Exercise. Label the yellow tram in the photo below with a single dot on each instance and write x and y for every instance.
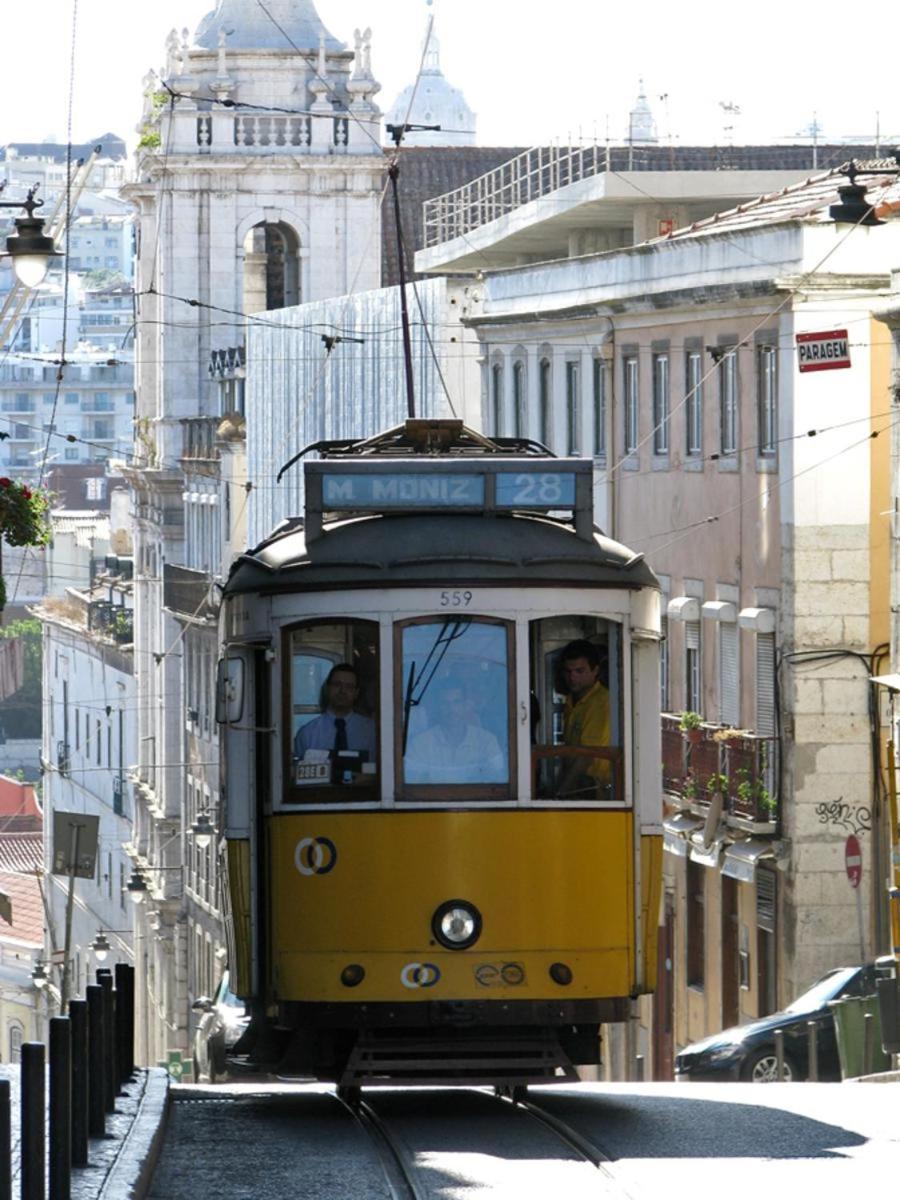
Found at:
(430, 878)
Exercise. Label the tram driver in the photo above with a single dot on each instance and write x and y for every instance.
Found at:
(585, 720)
(454, 748)
(340, 729)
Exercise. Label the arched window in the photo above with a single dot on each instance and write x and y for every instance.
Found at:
(520, 415)
(271, 268)
(496, 399)
(16, 1037)
(544, 401)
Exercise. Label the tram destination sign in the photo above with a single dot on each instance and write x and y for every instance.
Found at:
(829, 351)
(357, 492)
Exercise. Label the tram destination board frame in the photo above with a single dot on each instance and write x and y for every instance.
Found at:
(499, 485)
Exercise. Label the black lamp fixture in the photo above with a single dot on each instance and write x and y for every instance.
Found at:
(136, 887)
(100, 946)
(39, 975)
(202, 831)
(853, 208)
(29, 248)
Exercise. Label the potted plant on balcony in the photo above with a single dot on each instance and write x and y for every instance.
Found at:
(690, 727)
(23, 518)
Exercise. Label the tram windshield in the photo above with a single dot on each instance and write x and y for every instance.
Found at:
(454, 687)
(333, 711)
(576, 705)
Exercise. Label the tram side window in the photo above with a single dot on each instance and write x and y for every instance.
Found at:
(576, 709)
(453, 690)
(332, 711)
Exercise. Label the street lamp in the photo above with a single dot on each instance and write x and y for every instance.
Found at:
(29, 248)
(39, 975)
(100, 946)
(136, 887)
(202, 831)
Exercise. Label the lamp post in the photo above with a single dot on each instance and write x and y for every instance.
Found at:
(29, 248)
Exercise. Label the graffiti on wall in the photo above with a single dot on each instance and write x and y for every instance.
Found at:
(851, 818)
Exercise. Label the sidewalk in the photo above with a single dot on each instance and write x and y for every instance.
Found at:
(120, 1164)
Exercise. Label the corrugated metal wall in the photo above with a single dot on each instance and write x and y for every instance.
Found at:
(297, 393)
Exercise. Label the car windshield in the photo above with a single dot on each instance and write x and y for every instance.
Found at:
(825, 989)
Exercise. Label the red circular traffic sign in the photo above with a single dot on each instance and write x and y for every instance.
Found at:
(853, 860)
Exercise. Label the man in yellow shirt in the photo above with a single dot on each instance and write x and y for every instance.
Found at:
(585, 721)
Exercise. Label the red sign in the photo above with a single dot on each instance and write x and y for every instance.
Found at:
(853, 860)
(823, 351)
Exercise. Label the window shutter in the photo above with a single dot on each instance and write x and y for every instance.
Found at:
(692, 635)
(729, 697)
(664, 663)
(765, 899)
(765, 683)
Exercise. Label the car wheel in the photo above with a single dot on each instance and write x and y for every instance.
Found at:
(762, 1067)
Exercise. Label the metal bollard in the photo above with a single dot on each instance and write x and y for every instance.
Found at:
(639, 1068)
(124, 976)
(868, 1042)
(78, 1018)
(5, 1140)
(96, 1074)
(104, 978)
(60, 1128)
(779, 1055)
(812, 1051)
(33, 1141)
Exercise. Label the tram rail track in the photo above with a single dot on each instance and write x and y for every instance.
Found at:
(399, 1173)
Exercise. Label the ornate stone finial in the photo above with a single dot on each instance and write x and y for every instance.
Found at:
(323, 67)
(357, 55)
(367, 53)
(172, 53)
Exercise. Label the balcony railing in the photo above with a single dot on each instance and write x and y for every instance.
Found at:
(536, 173)
(742, 765)
(200, 438)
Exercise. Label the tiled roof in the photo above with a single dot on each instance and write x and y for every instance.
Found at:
(809, 200)
(113, 147)
(21, 857)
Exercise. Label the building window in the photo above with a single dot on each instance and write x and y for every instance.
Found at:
(728, 414)
(692, 672)
(660, 404)
(496, 399)
(766, 942)
(693, 407)
(571, 408)
(631, 405)
(664, 663)
(729, 695)
(765, 684)
(767, 400)
(544, 401)
(520, 416)
(599, 408)
(696, 925)
(16, 1037)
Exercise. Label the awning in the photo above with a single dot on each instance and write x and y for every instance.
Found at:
(888, 681)
(741, 858)
(706, 856)
(677, 830)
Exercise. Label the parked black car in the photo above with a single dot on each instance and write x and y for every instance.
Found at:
(222, 1021)
(747, 1052)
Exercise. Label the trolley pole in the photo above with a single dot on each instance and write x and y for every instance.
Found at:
(396, 132)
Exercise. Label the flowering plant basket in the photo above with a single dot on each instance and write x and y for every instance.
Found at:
(24, 518)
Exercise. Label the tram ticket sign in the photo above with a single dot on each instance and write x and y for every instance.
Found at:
(853, 860)
(829, 351)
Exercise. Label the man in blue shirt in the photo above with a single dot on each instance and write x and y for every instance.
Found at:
(339, 727)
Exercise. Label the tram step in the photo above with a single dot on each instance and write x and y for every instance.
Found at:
(465, 1061)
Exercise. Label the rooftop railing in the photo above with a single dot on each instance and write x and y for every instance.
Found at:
(529, 176)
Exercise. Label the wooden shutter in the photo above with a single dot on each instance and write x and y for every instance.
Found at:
(765, 683)
(729, 696)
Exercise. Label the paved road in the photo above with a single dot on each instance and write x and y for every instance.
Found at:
(821, 1141)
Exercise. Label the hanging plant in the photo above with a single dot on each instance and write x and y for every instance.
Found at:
(24, 518)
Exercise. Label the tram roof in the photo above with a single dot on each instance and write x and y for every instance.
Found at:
(439, 549)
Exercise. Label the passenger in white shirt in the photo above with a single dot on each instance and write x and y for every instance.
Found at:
(339, 727)
(454, 749)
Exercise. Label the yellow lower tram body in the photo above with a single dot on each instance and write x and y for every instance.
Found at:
(361, 987)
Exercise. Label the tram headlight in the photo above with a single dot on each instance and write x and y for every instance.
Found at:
(457, 924)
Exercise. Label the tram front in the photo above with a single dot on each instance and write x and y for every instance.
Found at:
(439, 699)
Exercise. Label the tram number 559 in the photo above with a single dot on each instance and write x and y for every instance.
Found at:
(456, 599)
